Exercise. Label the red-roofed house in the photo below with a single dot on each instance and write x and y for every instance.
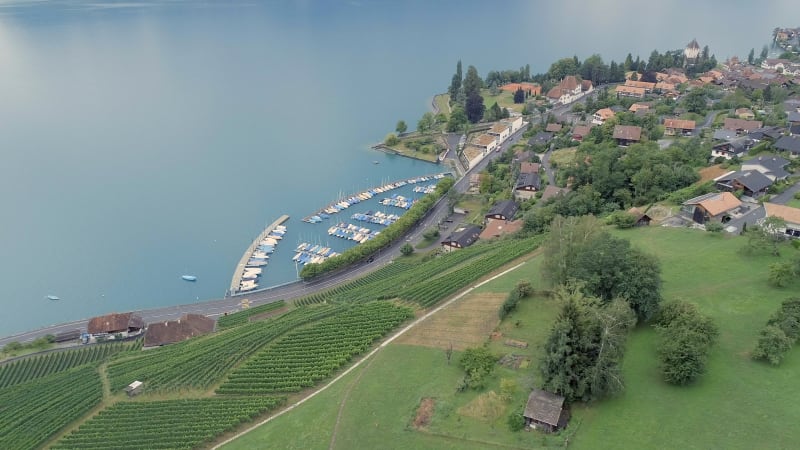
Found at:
(674, 127)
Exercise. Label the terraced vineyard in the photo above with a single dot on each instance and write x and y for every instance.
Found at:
(32, 412)
(241, 317)
(303, 357)
(199, 363)
(33, 367)
(173, 424)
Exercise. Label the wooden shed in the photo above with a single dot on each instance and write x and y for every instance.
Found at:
(545, 411)
(134, 388)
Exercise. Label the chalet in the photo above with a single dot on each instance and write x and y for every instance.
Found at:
(638, 106)
(514, 123)
(461, 238)
(773, 167)
(642, 219)
(545, 411)
(580, 132)
(553, 127)
(741, 126)
(724, 135)
(529, 167)
(745, 113)
(713, 207)
(663, 86)
(500, 131)
(486, 142)
(541, 138)
(567, 91)
(503, 210)
(170, 332)
(790, 144)
(134, 388)
(673, 127)
(586, 87)
(627, 134)
(497, 228)
(601, 115)
(751, 182)
(629, 91)
(771, 134)
(790, 216)
(531, 89)
(116, 324)
(553, 191)
(528, 184)
(736, 148)
(645, 85)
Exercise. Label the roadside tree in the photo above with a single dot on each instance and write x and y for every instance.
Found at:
(401, 127)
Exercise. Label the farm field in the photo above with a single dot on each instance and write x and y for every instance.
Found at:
(699, 267)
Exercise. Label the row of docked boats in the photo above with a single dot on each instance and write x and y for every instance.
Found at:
(425, 189)
(345, 203)
(259, 258)
(310, 253)
(398, 201)
(352, 232)
(376, 217)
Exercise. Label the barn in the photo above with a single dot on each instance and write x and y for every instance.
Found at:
(169, 332)
(116, 324)
(545, 411)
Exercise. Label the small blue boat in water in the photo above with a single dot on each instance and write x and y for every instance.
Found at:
(189, 278)
(53, 297)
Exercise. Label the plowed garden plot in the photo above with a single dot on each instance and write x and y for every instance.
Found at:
(466, 323)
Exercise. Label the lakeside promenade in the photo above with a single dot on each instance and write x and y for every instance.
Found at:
(218, 307)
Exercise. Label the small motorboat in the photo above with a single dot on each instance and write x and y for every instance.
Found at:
(376, 162)
(53, 297)
(189, 278)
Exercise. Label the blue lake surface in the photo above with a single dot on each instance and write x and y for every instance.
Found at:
(143, 141)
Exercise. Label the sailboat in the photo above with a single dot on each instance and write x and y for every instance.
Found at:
(189, 278)
(53, 297)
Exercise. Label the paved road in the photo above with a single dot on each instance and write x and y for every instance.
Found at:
(218, 307)
(786, 195)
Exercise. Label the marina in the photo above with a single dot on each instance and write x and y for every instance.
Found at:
(344, 203)
(398, 201)
(376, 217)
(352, 232)
(310, 253)
(250, 267)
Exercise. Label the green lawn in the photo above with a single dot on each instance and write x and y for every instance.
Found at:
(738, 403)
(504, 99)
(443, 103)
(794, 203)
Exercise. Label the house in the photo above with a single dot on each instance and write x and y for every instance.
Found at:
(486, 142)
(775, 63)
(169, 332)
(500, 131)
(663, 86)
(627, 134)
(751, 182)
(497, 228)
(741, 126)
(461, 238)
(580, 132)
(745, 113)
(529, 167)
(645, 85)
(514, 123)
(724, 135)
(771, 134)
(503, 210)
(545, 411)
(736, 148)
(713, 207)
(567, 91)
(642, 219)
(134, 388)
(541, 138)
(773, 167)
(638, 106)
(553, 191)
(553, 127)
(586, 87)
(531, 89)
(629, 91)
(679, 127)
(527, 185)
(124, 324)
(794, 130)
(791, 217)
(793, 117)
(790, 144)
(601, 115)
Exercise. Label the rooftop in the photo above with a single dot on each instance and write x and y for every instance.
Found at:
(544, 407)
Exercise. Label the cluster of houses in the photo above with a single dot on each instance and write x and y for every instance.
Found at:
(484, 143)
(121, 326)
(738, 135)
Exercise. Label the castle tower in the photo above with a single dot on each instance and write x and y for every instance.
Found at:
(691, 52)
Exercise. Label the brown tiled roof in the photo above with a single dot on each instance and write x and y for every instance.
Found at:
(544, 407)
(720, 203)
(629, 90)
(112, 323)
(680, 124)
(188, 326)
(534, 89)
(581, 130)
(529, 167)
(664, 86)
(605, 113)
(740, 124)
(787, 213)
(637, 106)
(552, 191)
(554, 127)
(484, 140)
(586, 85)
(496, 228)
(640, 84)
(627, 132)
(498, 128)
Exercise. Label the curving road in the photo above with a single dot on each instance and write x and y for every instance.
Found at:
(218, 307)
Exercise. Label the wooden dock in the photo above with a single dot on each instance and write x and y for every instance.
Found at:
(237, 274)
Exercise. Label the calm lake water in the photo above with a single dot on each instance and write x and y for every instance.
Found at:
(143, 141)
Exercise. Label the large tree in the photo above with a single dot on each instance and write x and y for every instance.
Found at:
(475, 107)
(455, 83)
(472, 82)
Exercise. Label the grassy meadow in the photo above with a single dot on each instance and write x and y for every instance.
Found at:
(738, 403)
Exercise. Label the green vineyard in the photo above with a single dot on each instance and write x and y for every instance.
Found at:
(304, 357)
(34, 367)
(171, 424)
(241, 317)
(33, 412)
(199, 363)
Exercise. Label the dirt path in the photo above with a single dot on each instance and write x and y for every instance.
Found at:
(353, 384)
(388, 341)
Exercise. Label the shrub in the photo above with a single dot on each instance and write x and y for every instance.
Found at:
(516, 421)
(714, 227)
(478, 363)
(772, 345)
(685, 338)
(406, 249)
(391, 139)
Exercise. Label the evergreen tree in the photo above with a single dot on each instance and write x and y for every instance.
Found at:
(472, 82)
(751, 57)
(455, 84)
(519, 96)
(475, 107)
